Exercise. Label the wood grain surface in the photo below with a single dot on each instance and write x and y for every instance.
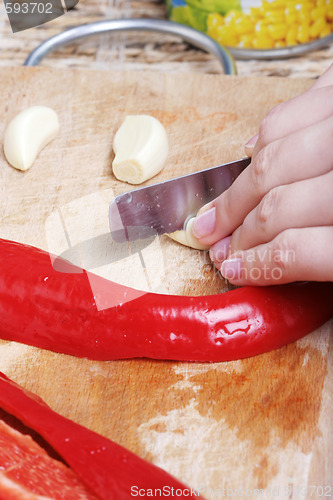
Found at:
(260, 423)
(139, 52)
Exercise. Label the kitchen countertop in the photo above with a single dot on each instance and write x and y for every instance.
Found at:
(139, 51)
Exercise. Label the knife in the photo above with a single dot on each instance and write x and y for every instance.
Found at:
(164, 207)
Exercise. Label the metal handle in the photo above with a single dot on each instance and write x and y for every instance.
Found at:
(190, 35)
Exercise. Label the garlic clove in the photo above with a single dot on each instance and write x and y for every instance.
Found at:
(186, 237)
(28, 133)
(141, 148)
(179, 236)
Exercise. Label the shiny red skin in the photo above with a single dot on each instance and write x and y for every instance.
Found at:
(109, 470)
(55, 310)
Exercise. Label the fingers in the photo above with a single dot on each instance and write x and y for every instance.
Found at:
(302, 155)
(282, 204)
(301, 204)
(294, 255)
(303, 111)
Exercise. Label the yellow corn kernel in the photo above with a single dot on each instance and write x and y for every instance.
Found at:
(329, 13)
(261, 28)
(320, 3)
(232, 42)
(232, 16)
(275, 16)
(246, 41)
(291, 13)
(279, 44)
(317, 27)
(291, 8)
(292, 33)
(277, 31)
(224, 31)
(264, 6)
(244, 25)
(306, 5)
(304, 16)
(213, 20)
(226, 36)
(318, 13)
(255, 13)
(291, 18)
(264, 21)
(327, 30)
(263, 42)
(303, 33)
(277, 4)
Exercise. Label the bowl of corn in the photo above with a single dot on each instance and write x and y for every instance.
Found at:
(259, 28)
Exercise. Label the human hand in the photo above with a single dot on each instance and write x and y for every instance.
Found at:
(275, 223)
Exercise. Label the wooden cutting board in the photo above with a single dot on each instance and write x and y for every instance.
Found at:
(260, 423)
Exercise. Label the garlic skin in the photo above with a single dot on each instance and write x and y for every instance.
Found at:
(28, 133)
(185, 237)
(141, 148)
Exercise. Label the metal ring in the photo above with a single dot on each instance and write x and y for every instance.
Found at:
(190, 35)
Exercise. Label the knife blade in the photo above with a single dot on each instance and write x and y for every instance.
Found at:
(164, 207)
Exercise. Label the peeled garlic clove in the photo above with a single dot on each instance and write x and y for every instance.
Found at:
(186, 237)
(28, 133)
(141, 148)
(179, 236)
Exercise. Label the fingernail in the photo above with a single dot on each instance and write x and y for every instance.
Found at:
(231, 268)
(203, 209)
(219, 251)
(249, 146)
(204, 224)
(251, 143)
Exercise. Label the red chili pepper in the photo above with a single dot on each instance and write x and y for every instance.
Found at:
(58, 311)
(109, 470)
